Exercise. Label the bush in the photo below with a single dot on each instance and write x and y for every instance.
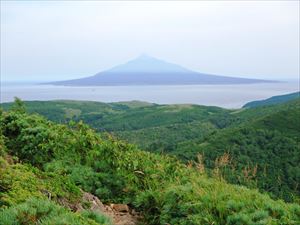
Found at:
(96, 217)
(45, 212)
(19, 182)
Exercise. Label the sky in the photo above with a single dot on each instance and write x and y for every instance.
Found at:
(73, 39)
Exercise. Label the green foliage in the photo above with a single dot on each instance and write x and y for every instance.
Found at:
(100, 219)
(165, 138)
(19, 105)
(192, 204)
(268, 145)
(2, 146)
(96, 179)
(19, 182)
(44, 212)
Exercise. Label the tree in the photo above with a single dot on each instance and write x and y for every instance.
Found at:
(18, 106)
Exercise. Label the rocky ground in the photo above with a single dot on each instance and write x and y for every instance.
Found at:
(120, 214)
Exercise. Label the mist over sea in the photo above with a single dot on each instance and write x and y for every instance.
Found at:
(227, 96)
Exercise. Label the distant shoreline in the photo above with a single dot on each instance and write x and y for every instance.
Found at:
(226, 96)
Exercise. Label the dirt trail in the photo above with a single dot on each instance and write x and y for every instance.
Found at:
(119, 213)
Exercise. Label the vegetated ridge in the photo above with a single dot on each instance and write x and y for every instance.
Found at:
(273, 100)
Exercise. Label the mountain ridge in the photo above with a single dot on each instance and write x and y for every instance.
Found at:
(274, 100)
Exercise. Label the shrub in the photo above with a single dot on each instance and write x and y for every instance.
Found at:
(45, 212)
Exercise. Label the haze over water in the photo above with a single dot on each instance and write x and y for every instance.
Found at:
(228, 96)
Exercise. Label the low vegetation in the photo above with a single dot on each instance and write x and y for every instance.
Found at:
(45, 212)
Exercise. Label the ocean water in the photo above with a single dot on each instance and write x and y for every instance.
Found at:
(227, 96)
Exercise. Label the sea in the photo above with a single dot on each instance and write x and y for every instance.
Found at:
(226, 96)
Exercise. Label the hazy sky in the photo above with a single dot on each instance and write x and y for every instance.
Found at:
(71, 39)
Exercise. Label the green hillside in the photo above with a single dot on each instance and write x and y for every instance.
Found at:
(124, 115)
(60, 159)
(262, 139)
(273, 100)
(268, 147)
(137, 119)
(267, 144)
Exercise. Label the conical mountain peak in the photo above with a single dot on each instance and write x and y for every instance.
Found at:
(148, 64)
(144, 56)
(148, 70)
